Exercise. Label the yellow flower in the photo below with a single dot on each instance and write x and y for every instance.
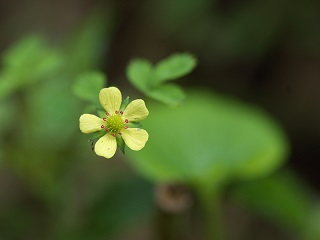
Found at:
(115, 123)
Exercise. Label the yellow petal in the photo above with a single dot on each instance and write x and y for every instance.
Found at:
(106, 146)
(110, 99)
(135, 138)
(90, 123)
(136, 111)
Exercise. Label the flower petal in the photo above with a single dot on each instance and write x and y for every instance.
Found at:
(135, 138)
(89, 123)
(106, 146)
(136, 111)
(110, 99)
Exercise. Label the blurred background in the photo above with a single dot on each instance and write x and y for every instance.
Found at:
(52, 186)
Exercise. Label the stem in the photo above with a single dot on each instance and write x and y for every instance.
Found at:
(212, 211)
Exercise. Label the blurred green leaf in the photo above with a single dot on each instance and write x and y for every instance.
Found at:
(173, 67)
(7, 111)
(149, 80)
(88, 85)
(312, 229)
(170, 94)
(209, 139)
(282, 198)
(26, 62)
(53, 114)
(140, 72)
(23, 52)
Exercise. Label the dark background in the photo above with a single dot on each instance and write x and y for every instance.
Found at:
(263, 52)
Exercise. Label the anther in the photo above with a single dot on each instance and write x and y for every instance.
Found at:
(121, 112)
(102, 126)
(119, 133)
(126, 120)
(116, 112)
(107, 129)
(107, 113)
(125, 127)
(114, 135)
(104, 119)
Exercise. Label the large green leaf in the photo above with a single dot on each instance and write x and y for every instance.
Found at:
(209, 139)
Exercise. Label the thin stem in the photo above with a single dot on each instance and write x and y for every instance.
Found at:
(212, 212)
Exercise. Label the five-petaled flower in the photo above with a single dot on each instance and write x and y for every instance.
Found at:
(115, 123)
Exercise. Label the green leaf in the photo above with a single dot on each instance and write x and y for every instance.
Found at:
(210, 140)
(170, 94)
(150, 80)
(51, 98)
(26, 62)
(134, 125)
(20, 53)
(101, 112)
(7, 112)
(174, 67)
(97, 135)
(139, 73)
(120, 143)
(88, 85)
(124, 104)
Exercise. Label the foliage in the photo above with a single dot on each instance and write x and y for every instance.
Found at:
(216, 140)
(151, 79)
(53, 187)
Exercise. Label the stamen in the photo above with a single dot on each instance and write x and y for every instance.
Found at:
(102, 126)
(116, 112)
(104, 119)
(107, 113)
(125, 127)
(126, 120)
(121, 112)
(114, 135)
(119, 133)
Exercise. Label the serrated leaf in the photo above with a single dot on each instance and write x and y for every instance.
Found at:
(174, 67)
(88, 85)
(170, 94)
(139, 73)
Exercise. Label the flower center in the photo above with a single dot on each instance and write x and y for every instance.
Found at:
(114, 123)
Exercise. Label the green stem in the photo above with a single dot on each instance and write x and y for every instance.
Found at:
(212, 212)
